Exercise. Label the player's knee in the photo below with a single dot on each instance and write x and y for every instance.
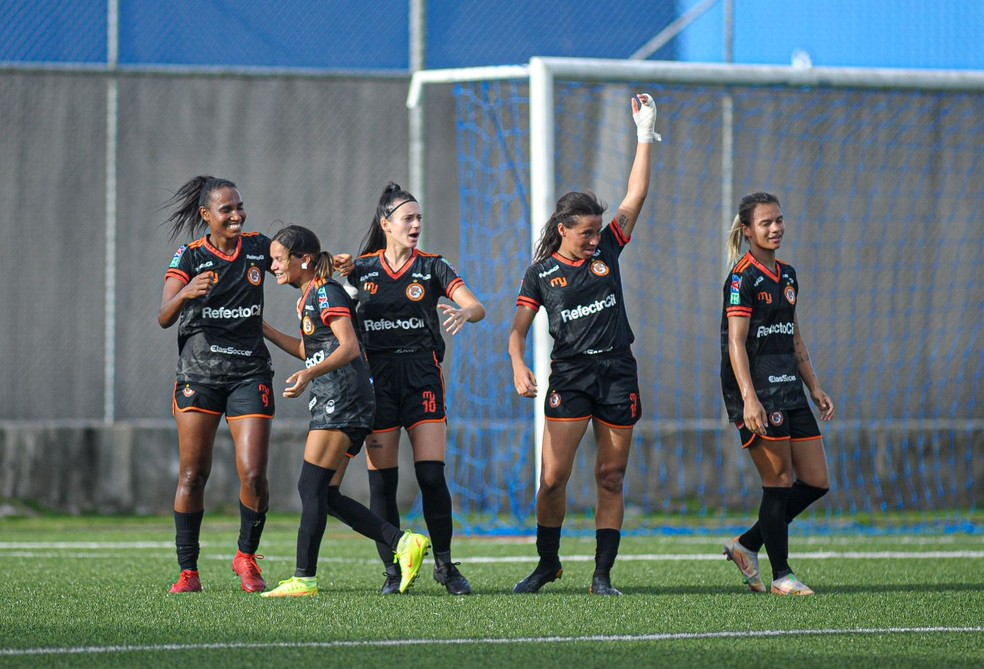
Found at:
(192, 482)
(256, 484)
(611, 480)
(384, 482)
(430, 475)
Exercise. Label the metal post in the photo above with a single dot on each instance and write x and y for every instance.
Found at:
(112, 135)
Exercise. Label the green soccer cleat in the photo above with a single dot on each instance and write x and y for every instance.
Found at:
(295, 586)
(747, 562)
(410, 554)
(790, 585)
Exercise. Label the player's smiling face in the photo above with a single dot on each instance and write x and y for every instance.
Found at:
(767, 227)
(283, 265)
(225, 214)
(404, 223)
(580, 241)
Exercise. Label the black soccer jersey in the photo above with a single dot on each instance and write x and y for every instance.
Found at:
(398, 310)
(348, 390)
(220, 336)
(583, 299)
(768, 298)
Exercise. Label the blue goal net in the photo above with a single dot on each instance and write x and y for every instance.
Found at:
(883, 201)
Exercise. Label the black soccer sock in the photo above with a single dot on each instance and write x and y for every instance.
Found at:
(436, 502)
(362, 520)
(775, 531)
(250, 528)
(313, 487)
(607, 541)
(382, 502)
(187, 529)
(548, 544)
(801, 497)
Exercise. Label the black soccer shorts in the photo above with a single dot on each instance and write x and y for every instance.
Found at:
(604, 386)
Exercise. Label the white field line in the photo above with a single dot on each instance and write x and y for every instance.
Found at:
(677, 636)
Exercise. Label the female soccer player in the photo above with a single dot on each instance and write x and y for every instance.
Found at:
(342, 407)
(575, 276)
(764, 364)
(399, 288)
(215, 286)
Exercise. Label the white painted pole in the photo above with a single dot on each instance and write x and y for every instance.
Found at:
(542, 199)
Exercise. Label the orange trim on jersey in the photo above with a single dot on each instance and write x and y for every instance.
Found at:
(455, 285)
(230, 258)
(775, 276)
(742, 264)
(620, 236)
(177, 274)
(567, 261)
(328, 315)
(249, 415)
(527, 302)
(739, 312)
(613, 425)
(403, 270)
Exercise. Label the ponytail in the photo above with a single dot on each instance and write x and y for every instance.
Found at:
(393, 196)
(570, 207)
(187, 203)
(746, 207)
(299, 241)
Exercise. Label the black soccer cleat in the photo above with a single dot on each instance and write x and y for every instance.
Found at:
(602, 585)
(447, 574)
(392, 584)
(542, 575)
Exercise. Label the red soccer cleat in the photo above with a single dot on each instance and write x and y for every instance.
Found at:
(244, 564)
(188, 581)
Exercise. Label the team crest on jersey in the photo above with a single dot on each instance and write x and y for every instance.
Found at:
(187, 392)
(415, 292)
(790, 293)
(554, 400)
(776, 418)
(307, 326)
(254, 275)
(598, 268)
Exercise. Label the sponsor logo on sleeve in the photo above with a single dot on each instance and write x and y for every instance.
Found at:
(177, 257)
(322, 298)
(735, 289)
